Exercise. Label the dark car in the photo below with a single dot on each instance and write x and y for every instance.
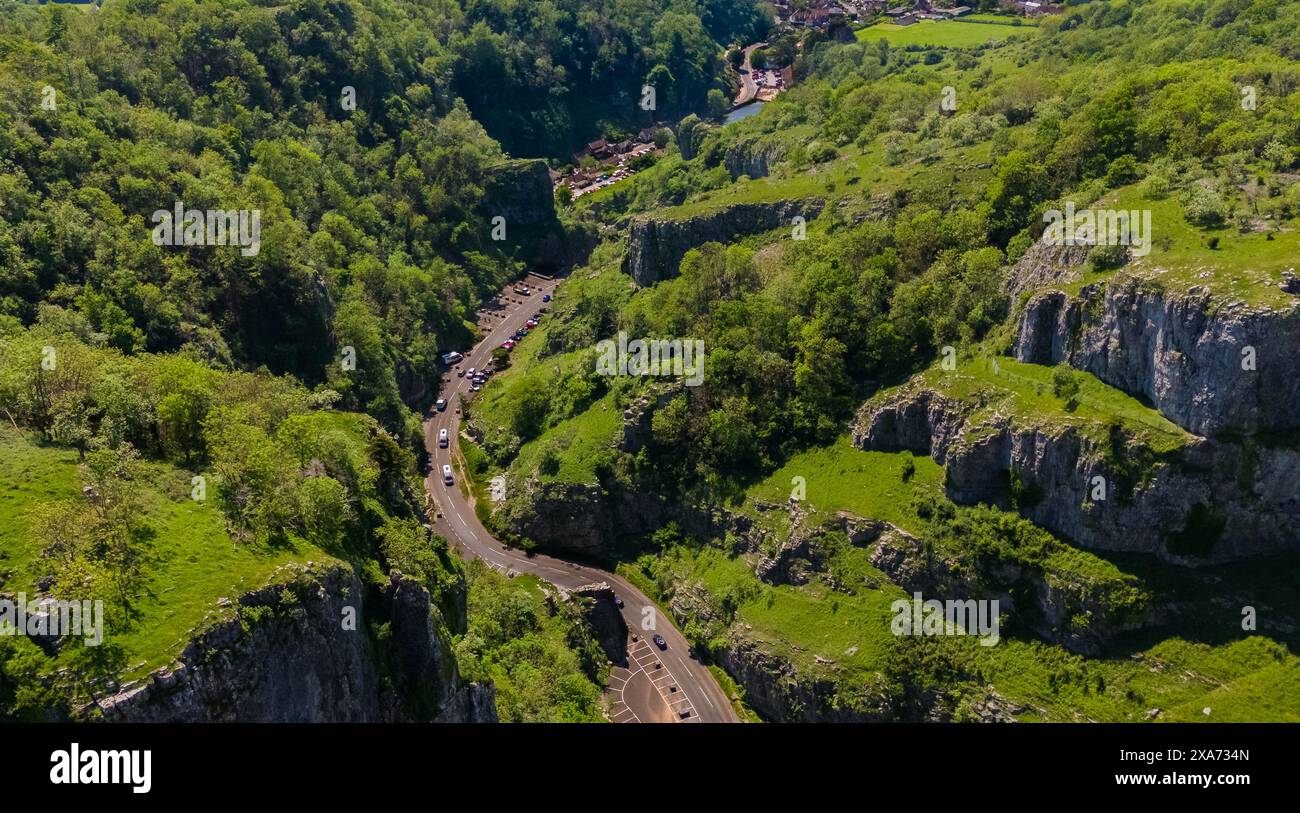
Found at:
(618, 602)
(660, 642)
(546, 297)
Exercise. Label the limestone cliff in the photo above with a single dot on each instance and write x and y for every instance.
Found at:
(1211, 367)
(286, 653)
(1206, 502)
(520, 192)
(656, 245)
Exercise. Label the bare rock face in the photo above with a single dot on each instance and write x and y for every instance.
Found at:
(656, 245)
(422, 651)
(1045, 265)
(602, 614)
(279, 659)
(1209, 367)
(1208, 502)
(753, 157)
(285, 654)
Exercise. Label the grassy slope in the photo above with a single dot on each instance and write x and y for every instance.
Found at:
(576, 439)
(190, 564)
(1246, 266)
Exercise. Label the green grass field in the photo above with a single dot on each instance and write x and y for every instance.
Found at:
(941, 33)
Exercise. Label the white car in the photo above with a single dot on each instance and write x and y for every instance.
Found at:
(446, 473)
(442, 438)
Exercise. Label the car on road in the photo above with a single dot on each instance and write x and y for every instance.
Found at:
(470, 372)
(446, 474)
(618, 602)
(442, 404)
(442, 438)
(660, 642)
(460, 373)
(546, 297)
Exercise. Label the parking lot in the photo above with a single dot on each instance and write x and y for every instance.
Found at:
(644, 679)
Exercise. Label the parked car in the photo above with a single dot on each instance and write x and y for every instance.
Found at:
(618, 602)
(531, 323)
(546, 297)
(475, 387)
(460, 373)
(470, 372)
(660, 642)
(442, 404)
(508, 344)
(446, 474)
(442, 438)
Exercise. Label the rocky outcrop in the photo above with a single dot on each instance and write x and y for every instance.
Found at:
(602, 615)
(753, 157)
(426, 668)
(656, 245)
(520, 192)
(1045, 264)
(1211, 367)
(802, 554)
(778, 692)
(1081, 614)
(1206, 502)
(297, 651)
(566, 518)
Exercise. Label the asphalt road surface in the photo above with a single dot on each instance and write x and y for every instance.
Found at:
(656, 685)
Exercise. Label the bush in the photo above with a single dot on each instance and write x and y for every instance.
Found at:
(1203, 207)
(1065, 385)
(1107, 258)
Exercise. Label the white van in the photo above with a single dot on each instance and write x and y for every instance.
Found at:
(442, 438)
(452, 358)
(446, 473)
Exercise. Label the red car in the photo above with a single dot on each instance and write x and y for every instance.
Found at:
(508, 344)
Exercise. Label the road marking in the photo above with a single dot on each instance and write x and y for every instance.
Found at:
(673, 700)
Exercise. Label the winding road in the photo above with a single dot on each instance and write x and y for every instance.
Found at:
(654, 686)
